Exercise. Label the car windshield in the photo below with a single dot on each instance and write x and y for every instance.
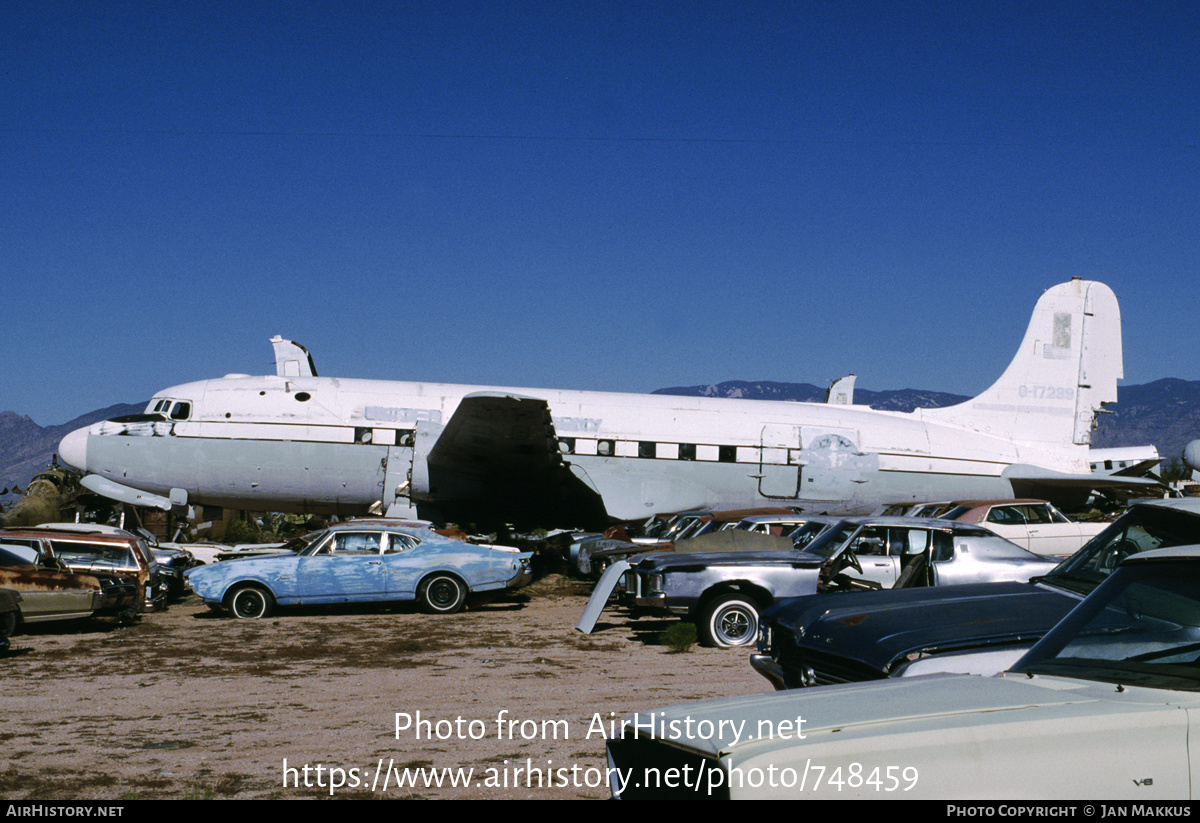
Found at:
(94, 555)
(828, 542)
(1140, 529)
(803, 536)
(1142, 628)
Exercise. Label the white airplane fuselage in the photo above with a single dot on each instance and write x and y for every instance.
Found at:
(298, 442)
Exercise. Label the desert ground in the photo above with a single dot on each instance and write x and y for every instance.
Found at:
(192, 704)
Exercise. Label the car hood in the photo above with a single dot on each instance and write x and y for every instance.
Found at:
(876, 628)
(959, 735)
(739, 724)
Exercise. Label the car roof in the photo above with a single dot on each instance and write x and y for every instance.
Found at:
(914, 522)
(1019, 501)
(1175, 552)
(93, 528)
(1187, 504)
(71, 534)
(777, 518)
(415, 529)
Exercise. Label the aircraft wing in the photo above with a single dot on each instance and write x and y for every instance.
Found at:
(1138, 469)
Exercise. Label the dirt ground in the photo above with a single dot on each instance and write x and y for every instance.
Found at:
(190, 704)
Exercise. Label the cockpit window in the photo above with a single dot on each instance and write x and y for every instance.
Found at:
(175, 409)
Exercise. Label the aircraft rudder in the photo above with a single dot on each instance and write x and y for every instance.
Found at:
(1064, 371)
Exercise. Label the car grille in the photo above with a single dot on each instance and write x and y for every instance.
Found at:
(826, 669)
(633, 583)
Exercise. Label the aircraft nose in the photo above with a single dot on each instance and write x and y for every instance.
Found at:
(73, 449)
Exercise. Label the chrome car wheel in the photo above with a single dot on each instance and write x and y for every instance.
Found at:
(731, 620)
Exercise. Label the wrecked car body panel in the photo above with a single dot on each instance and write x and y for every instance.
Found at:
(10, 614)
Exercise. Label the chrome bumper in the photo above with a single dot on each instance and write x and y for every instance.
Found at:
(765, 665)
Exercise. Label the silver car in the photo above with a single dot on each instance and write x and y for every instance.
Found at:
(724, 593)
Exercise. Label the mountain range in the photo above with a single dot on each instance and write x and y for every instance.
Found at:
(1165, 414)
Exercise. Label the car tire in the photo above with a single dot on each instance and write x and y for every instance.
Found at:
(8, 624)
(249, 603)
(729, 620)
(443, 594)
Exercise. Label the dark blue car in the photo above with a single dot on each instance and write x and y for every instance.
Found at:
(980, 629)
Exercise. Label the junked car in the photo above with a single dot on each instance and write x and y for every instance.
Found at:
(1032, 524)
(10, 612)
(700, 532)
(121, 556)
(352, 563)
(980, 629)
(724, 593)
(50, 591)
(171, 560)
(1102, 707)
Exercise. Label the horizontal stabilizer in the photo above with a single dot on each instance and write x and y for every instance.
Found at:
(1069, 489)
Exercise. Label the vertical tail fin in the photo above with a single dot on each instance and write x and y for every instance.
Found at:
(1065, 370)
(292, 359)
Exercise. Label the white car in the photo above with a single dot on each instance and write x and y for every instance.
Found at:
(1101, 707)
(1034, 525)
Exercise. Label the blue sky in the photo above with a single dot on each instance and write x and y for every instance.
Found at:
(595, 195)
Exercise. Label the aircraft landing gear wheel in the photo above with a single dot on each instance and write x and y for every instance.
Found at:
(729, 620)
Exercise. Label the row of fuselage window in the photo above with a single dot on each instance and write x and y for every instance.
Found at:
(646, 449)
(583, 446)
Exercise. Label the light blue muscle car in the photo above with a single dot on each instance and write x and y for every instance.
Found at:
(367, 562)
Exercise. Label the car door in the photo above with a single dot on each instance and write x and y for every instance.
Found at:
(46, 593)
(403, 566)
(1050, 532)
(347, 566)
(878, 549)
(1009, 522)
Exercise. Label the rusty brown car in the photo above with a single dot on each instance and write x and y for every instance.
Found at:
(50, 591)
(124, 558)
